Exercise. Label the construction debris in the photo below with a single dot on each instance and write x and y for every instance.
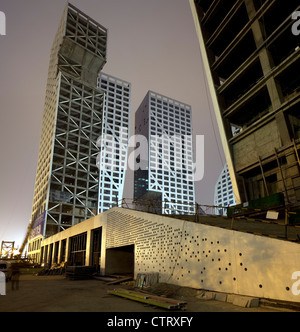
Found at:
(144, 280)
(238, 300)
(52, 272)
(150, 299)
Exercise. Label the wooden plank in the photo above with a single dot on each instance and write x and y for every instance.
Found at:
(152, 299)
(172, 301)
(118, 281)
(146, 301)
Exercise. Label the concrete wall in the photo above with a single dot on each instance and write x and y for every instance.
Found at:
(86, 226)
(196, 255)
(260, 143)
(206, 257)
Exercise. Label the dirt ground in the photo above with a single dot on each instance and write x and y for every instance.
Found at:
(58, 294)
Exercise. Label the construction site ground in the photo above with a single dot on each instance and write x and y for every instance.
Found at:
(58, 294)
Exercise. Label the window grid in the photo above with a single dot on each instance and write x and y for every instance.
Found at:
(114, 148)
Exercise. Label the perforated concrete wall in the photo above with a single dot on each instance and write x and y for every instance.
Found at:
(194, 255)
(206, 257)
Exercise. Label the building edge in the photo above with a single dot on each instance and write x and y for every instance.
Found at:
(213, 95)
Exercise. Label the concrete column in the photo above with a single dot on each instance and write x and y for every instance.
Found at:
(59, 252)
(267, 64)
(264, 56)
(283, 129)
(88, 248)
(103, 252)
(67, 249)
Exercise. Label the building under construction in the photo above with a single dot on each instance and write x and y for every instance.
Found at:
(252, 87)
(66, 186)
(252, 60)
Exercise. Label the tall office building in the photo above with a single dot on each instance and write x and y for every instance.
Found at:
(251, 57)
(66, 186)
(224, 195)
(166, 158)
(113, 145)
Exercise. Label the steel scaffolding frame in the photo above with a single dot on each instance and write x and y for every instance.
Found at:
(7, 249)
(74, 176)
(66, 186)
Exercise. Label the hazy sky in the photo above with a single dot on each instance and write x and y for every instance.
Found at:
(152, 44)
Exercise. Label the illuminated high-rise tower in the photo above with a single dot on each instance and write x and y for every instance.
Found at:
(66, 186)
(114, 144)
(167, 165)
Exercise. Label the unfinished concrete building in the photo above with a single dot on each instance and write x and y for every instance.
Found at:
(252, 60)
(66, 187)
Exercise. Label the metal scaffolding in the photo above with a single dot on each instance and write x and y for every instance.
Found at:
(7, 249)
(66, 188)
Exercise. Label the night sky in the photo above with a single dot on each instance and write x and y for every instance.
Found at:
(151, 44)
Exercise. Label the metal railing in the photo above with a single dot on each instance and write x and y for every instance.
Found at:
(194, 212)
(171, 207)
